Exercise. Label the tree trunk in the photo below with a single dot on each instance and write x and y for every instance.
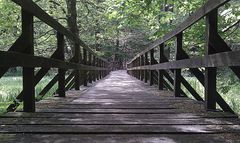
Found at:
(72, 20)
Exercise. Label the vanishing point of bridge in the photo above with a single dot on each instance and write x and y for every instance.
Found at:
(121, 107)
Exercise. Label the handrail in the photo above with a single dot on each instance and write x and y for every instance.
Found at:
(33, 8)
(86, 68)
(217, 54)
(194, 18)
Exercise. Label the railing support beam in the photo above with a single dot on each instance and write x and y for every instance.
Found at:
(28, 73)
(210, 73)
(177, 72)
(61, 72)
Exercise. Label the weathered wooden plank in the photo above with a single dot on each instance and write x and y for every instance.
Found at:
(112, 111)
(170, 129)
(122, 116)
(116, 121)
(120, 138)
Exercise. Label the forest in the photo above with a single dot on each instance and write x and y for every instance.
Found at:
(117, 30)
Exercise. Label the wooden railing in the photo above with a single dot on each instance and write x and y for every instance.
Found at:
(87, 66)
(217, 54)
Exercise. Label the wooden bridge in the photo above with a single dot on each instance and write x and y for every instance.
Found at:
(121, 107)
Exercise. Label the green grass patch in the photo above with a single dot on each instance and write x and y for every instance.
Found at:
(10, 87)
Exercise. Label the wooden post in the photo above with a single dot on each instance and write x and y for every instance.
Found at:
(146, 71)
(77, 72)
(97, 72)
(152, 63)
(210, 73)
(139, 71)
(177, 72)
(84, 62)
(160, 72)
(94, 72)
(61, 72)
(90, 63)
(142, 64)
(28, 72)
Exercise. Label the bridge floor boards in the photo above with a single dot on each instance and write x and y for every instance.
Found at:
(119, 109)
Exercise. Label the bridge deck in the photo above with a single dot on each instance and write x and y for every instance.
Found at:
(121, 109)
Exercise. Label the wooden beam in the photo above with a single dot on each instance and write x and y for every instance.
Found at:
(18, 46)
(151, 63)
(77, 72)
(26, 60)
(90, 63)
(146, 70)
(224, 59)
(84, 62)
(28, 72)
(210, 72)
(61, 72)
(142, 64)
(160, 74)
(177, 72)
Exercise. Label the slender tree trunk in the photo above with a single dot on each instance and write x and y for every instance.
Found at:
(97, 32)
(72, 19)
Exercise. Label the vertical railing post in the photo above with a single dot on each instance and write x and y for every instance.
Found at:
(94, 64)
(142, 64)
(90, 71)
(177, 72)
(84, 62)
(28, 72)
(152, 63)
(61, 72)
(100, 64)
(146, 71)
(139, 71)
(210, 72)
(160, 72)
(97, 72)
(77, 72)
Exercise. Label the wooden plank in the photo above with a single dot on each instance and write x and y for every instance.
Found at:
(116, 121)
(123, 138)
(112, 111)
(170, 129)
(194, 18)
(123, 116)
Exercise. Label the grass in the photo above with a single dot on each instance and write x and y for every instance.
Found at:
(231, 96)
(10, 87)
